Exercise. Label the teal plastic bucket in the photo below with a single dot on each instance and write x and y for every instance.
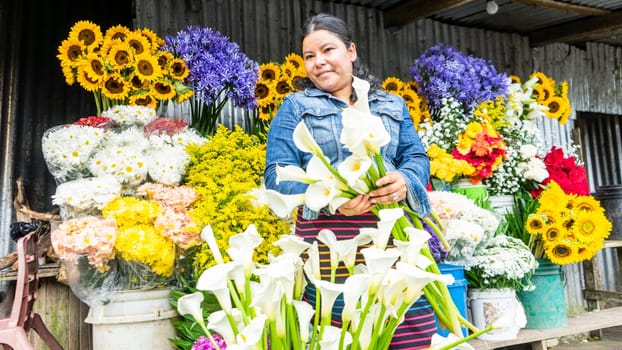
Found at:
(545, 306)
(458, 293)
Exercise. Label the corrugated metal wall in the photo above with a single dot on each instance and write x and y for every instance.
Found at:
(34, 96)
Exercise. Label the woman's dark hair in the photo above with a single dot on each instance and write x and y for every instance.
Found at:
(337, 26)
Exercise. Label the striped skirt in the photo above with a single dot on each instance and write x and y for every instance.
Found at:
(419, 324)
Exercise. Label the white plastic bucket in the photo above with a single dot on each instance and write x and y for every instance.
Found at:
(489, 305)
(134, 320)
(502, 204)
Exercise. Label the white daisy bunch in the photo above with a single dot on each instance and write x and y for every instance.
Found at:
(506, 262)
(168, 156)
(449, 121)
(467, 226)
(67, 149)
(85, 196)
(124, 156)
(126, 115)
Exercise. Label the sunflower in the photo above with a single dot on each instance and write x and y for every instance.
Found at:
(266, 112)
(543, 94)
(269, 71)
(282, 88)
(392, 84)
(115, 88)
(552, 233)
(586, 203)
(411, 85)
(145, 99)
(70, 52)
(137, 83)
(515, 79)
(535, 224)
(69, 75)
(147, 67)
(163, 90)
(557, 107)
(95, 67)
(154, 40)
(184, 94)
(296, 60)
(88, 83)
(178, 69)
(563, 253)
(86, 32)
(553, 197)
(139, 43)
(543, 79)
(297, 76)
(164, 57)
(120, 56)
(585, 227)
(288, 69)
(118, 32)
(264, 93)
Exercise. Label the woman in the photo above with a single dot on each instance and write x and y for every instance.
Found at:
(331, 61)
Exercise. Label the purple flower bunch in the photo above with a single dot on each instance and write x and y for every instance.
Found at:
(203, 343)
(443, 72)
(216, 65)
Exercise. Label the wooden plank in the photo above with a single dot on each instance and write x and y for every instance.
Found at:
(412, 10)
(583, 323)
(584, 10)
(577, 30)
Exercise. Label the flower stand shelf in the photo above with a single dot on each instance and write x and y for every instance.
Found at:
(542, 339)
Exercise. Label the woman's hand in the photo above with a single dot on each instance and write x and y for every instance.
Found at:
(357, 205)
(392, 188)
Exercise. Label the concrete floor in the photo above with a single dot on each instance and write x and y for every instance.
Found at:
(611, 340)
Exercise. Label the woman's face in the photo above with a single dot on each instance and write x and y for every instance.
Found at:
(329, 63)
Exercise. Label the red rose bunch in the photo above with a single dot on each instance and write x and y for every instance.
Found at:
(94, 121)
(565, 171)
(164, 125)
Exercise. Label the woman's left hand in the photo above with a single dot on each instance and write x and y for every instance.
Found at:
(392, 188)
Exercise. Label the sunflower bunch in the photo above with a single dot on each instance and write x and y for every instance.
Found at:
(275, 81)
(122, 66)
(417, 106)
(566, 228)
(552, 95)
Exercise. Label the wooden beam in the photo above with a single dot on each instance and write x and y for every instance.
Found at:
(584, 10)
(413, 10)
(577, 30)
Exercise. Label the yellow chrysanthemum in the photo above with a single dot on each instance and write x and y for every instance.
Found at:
(392, 84)
(535, 224)
(85, 80)
(130, 211)
(147, 68)
(118, 32)
(163, 90)
(563, 253)
(95, 67)
(115, 87)
(88, 33)
(139, 43)
(70, 52)
(178, 69)
(269, 71)
(296, 60)
(120, 56)
(144, 244)
(144, 99)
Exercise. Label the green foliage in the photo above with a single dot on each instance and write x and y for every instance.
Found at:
(513, 223)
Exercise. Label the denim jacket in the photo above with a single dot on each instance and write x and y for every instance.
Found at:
(321, 112)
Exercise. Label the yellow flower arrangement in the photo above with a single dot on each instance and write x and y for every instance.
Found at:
(445, 167)
(223, 172)
(567, 228)
(417, 106)
(122, 66)
(554, 96)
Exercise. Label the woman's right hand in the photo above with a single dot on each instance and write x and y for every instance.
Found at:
(357, 205)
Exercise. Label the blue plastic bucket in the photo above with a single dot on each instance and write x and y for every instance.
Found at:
(458, 292)
(545, 307)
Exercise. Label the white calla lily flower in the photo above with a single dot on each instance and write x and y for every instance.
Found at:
(332, 336)
(292, 173)
(292, 244)
(417, 278)
(218, 321)
(378, 262)
(328, 292)
(304, 140)
(304, 311)
(207, 234)
(353, 288)
(190, 304)
(354, 167)
(319, 194)
(242, 247)
(312, 265)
